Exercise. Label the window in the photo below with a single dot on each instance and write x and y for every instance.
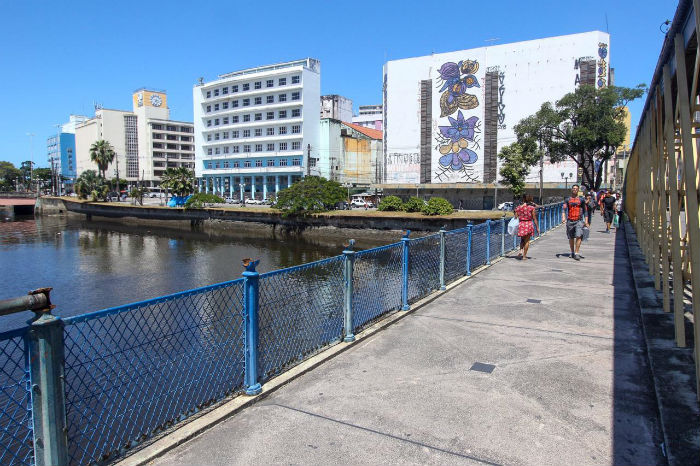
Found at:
(270, 115)
(270, 131)
(270, 163)
(224, 90)
(271, 147)
(216, 136)
(224, 105)
(209, 152)
(296, 162)
(282, 82)
(296, 113)
(282, 97)
(225, 122)
(282, 114)
(216, 92)
(208, 122)
(295, 95)
(270, 82)
(234, 104)
(296, 145)
(258, 117)
(246, 102)
(283, 146)
(246, 148)
(224, 135)
(258, 148)
(296, 79)
(246, 133)
(157, 145)
(234, 119)
(235, 134)
(234, 88)
(258, 163)
(216, 122)
(236, 164)
(208, 94)
(225, 164)
(258, 132)
(217, 151)
(157, 126)
(246, 164)
(208, 108)
(208, 137)
(258, 85)
(246, 117)
(258, 100)
(282, 130)
(226, 149)
(283, 162)
(246, 87)
(171, 128)
(216, 107)
(296, 129)
(236, 149)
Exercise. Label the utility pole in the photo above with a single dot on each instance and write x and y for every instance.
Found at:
(308, 159)
(541, 169)
(116, 164)
(31, 159)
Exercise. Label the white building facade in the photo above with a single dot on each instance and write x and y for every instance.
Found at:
(336, 107)
(145, 141)
(257, 130)
(370, 116)
(448, 115)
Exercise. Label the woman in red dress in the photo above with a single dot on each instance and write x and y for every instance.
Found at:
(528, 222)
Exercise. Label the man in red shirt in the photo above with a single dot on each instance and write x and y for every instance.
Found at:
(574, 214)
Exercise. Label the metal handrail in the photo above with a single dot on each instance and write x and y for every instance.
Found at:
(37, 301)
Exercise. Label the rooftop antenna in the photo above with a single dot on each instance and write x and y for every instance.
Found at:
(201, 80)
(606, 23)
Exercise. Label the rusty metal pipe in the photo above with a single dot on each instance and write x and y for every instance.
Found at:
(37, 300)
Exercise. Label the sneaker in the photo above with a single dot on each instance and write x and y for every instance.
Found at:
(577, 257)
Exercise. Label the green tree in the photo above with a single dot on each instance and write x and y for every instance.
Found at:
(137, 194)
(516, 165)
(86, 183)
(199, 200)
(310, 195)
(102, 153)
(43, 177)
(25, 169)
(9, 175)
(414, 204)
(178, 180)
(586, 126)
(390, 203)
(438, 206)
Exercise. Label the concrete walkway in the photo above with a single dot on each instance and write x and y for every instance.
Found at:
(571, 384)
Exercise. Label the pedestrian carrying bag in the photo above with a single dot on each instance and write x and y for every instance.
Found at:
(586, 233)
(616, 221)
(513, 225)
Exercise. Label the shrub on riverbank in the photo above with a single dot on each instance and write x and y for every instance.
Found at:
(438, 206)
(390, 203)
(312, 194)
(414, 204)
(199, 200)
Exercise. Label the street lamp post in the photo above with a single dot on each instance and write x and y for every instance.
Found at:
(566, 179)
(31, 159)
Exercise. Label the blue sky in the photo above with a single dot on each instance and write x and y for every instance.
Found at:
(60, 57)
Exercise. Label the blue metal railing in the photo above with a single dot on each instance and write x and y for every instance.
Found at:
(122, 375)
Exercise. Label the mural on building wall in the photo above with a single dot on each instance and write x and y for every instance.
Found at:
(602, 64)
(457, 140)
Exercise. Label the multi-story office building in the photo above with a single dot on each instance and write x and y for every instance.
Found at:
(257, 130)
(337, 107)
(350, 154)
(145, 140)
(61, 152)
(370, 116)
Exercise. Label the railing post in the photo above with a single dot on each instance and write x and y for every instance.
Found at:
(488, 242)
(404, 271)
(442, 258)
(251, 280)
(539, 219)
(544, 217)
(46, 368)
(469, 249)
(349, 256)
(503, 236)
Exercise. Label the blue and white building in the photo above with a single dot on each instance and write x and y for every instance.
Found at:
(257, 130)
(60, 150)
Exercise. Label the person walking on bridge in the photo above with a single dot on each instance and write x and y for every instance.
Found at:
(608, 209)
(574, 214)
(525, 213)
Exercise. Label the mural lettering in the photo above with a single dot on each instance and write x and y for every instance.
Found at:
(402, 158)
(602, 64)
(577, 67)
(501, 105)
(458, 140)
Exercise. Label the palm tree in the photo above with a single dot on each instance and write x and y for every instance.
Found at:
(86, 183)
(102, 153)
(179, 180)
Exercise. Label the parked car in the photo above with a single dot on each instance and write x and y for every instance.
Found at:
(231, 200)
(506, 206)
(252, 201)
(342, 205)
(361, 203)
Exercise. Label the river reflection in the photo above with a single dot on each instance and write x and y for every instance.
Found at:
(94, 265)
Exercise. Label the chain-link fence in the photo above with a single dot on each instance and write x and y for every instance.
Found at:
(125, 374)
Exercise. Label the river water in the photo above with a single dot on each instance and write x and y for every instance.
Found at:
(93, 265)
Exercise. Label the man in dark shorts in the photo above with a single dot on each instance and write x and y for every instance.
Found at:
(574, 214)
(608, 210)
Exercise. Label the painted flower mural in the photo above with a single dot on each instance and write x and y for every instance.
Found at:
(456, 140)
(455, 79)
